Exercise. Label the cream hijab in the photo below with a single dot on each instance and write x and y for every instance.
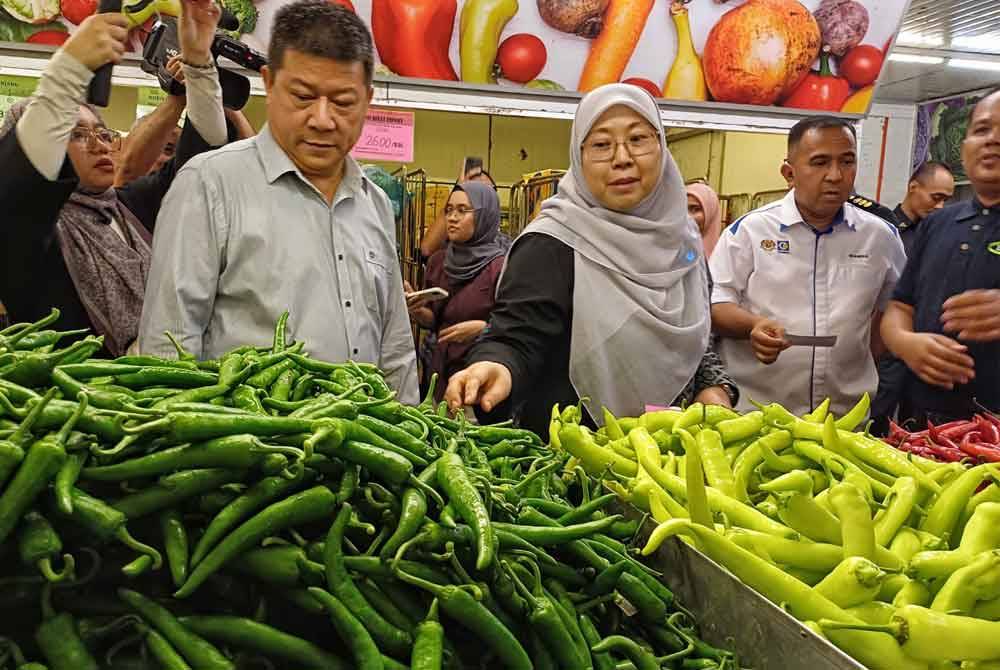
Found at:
(640, 300)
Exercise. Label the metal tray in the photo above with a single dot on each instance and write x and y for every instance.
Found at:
(733, 616)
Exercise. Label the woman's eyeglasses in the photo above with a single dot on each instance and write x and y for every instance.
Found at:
(603, 149)
(89, 138)
(460, 210)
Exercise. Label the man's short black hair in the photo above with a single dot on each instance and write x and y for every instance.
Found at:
(975, 108)
(927, 170)
(324, 29)
(821, 122)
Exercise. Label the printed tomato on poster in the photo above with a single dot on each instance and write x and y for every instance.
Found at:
(741, 52)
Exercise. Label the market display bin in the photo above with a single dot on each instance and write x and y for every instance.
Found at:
(733, 616)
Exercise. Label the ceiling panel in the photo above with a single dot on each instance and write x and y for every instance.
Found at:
(946, 29)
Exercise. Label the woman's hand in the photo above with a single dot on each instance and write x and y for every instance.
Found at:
(714, 395)
(99, 40)
(486, 384)
(463, 332)
(196, 30)
(420, 313)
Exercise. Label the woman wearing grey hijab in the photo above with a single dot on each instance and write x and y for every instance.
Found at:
(605, 295)
(468, 269)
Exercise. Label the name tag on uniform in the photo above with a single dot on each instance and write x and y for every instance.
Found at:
(810, 340)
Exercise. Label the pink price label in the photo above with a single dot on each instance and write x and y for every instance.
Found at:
(387, 136)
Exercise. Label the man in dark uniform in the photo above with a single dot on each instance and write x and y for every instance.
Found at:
(930, 187)
(944, 320)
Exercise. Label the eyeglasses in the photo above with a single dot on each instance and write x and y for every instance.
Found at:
(603, 149)
(461, 210)
(89, 138)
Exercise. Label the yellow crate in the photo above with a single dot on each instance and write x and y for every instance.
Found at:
(542, 174)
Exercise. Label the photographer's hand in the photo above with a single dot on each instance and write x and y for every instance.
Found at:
(196, 31)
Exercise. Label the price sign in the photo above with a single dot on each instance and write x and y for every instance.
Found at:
(13, 89)
(148, 100)
(387, 136)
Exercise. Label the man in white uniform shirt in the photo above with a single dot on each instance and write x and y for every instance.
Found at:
(811, 264)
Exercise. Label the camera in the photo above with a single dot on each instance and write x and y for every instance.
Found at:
(163, 44)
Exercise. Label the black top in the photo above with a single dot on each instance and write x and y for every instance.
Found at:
(957, 249)
(530, 333)
(33, 274)
(907, 229)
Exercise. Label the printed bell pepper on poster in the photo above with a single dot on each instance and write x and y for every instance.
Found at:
(810, 54)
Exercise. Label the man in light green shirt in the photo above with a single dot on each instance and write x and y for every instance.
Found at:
(287, 220)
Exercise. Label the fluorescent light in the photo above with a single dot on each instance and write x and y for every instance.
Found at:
(914, 58)
(967, 64)
(976, 43)
(919, 39)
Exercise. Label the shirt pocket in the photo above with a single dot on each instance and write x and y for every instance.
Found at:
(858, 285)
(376, 285)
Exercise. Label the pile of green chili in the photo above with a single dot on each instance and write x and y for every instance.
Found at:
(270, 510)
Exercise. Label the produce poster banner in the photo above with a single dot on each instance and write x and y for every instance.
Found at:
(941, 128)
(810, 54)
(13, 89)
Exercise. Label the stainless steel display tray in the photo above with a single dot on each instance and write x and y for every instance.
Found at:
(731, 615)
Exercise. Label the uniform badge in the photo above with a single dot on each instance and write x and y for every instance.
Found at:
(994, 247)
(784, 247)
(768, 245)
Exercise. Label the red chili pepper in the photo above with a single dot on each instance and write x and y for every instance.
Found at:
(947, 454)
(959, 431)
(413, 36)
(985, 452)
(990, 430)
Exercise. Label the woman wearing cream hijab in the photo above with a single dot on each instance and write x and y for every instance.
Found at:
(705, 209)
(605, 294)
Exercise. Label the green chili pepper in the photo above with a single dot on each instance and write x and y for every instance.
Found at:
(270, 375)
(248, 634)
(59, 641)
(66, 480)
(355, 636)
(545, 537)
(854, 581)
(412, 514)
(547, 623)
(856, 415)
(163, 652)
(742, 428)
(174, 489)
(818, 415)
(34, 369)
(175, 544)
(103, 522)
(12, 449)
(179, 427)
(301, 508)
(857, 528)
(40, 466)
(395, 435)
(469, 613)
(933, 637)
(904, 495)
(340, 584)
(196, 650)
(38, 544)
(384, 605)
(946, 509)
(981, 534)
(977, 581)
(462, 493)
(428, 645)
(280, 329)
(713, 458)
(802, 513)
(234, 451)
(98, 398)
(258, 496)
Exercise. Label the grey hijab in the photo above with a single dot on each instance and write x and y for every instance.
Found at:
(464, 261)
(640, 300)
(109, 273)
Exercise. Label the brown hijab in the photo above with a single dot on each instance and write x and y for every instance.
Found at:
(109, 272)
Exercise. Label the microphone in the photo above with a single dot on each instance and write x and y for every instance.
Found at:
(99, 91)
(228, 20)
